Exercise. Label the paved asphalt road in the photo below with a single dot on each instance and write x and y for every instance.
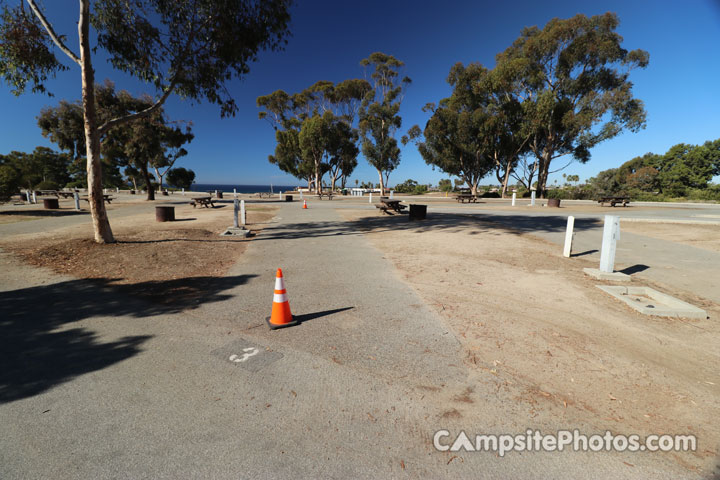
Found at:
(94, 384)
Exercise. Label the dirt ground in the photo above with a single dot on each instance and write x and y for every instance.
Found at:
(699, 236)
(532, 322)
(147, 252)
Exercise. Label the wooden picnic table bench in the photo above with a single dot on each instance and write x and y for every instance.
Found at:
(329, 195)
(107, 198)
(386, 204)
(467, 197)
(202, 201)
(63, 194)
(614, 200)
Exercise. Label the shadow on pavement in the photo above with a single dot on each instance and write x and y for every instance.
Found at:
(471, 223)
(586, 252)
(634, 269)
(39, 349)
(311, 316)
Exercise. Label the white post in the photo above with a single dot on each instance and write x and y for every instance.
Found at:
(236, 207)
(34, 197)
(301, 195)
(280, 195)
(370, 201)
(242, 212)
(514, 197)
(391, 194)
(532, 198)
(183, 192)
(569, 236)
(235, 192)
(27, 194)
(611, 234)
(76, 197)
(117, 189)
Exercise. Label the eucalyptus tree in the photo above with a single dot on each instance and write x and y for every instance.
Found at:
(188, 47)
(379, 118)
(572, 79)
(314, 129)
(474, 131)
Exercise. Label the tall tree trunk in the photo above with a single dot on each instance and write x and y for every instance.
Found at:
(318, 185)
(506, 180)
(382, 183)
(160, 178)
(148, 182)
(544, 167)
(101, 225)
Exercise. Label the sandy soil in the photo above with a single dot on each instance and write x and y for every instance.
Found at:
(530, 321)
(700, 236)
(147, 253)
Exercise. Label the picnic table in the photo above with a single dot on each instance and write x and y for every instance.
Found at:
(265, 194)
(466, 197)
(202, 201)
(65, 194)
(386, 204)
(107, 198)
(329, 195)
(613, 200)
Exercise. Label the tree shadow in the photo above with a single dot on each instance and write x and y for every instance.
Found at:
(450, 222)
(40, 348)
(43, 213)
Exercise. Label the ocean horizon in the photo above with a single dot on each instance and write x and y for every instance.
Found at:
(206, 187)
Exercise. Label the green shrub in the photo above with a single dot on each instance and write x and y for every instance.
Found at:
(47, 185)
(420, 189)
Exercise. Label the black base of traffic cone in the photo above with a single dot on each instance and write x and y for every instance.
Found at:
(275, 327)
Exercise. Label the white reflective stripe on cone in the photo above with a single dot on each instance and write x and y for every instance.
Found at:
(280, 298)
(279, 283)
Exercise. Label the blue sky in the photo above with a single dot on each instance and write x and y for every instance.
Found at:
(680, 88)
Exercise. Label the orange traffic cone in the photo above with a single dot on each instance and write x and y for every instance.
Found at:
(305, 204)
(281, 315)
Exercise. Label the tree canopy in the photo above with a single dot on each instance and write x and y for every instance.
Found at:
(379, 118)
(572, 79)
(191, 48)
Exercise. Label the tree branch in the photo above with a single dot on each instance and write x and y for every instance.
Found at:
(134, 116)
(51, 32)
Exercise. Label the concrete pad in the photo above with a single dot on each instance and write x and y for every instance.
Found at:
(235, 232)
(649, 301)
(613, 277)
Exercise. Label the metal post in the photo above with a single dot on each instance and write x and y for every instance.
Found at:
(611, 234)
(76, 197)
(514, 197)
(34, 197)
(236, 207)
(532, 198)
(569, 236)
(27, 194)
(242, 212)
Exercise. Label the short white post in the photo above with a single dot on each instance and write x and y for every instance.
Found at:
(76, 197)
(301, 194)
(569, 237)
(27, 194)
(236, 207)
(183, 192)
(532, 198)
(280, 195)
(611, 234)
(514, 198)
(34, 197)
(370, 201)
(235, 192)
(391, 194)
(216, 193)
(242, 212)
(117, 189)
